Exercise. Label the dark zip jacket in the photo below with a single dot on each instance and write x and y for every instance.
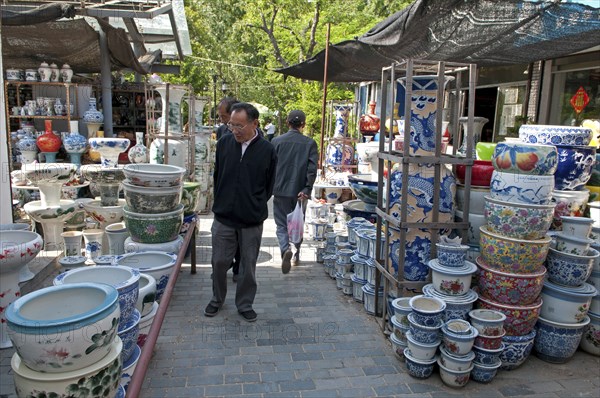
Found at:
(243, 185)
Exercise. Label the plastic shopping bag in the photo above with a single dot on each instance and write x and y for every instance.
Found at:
(295, 224)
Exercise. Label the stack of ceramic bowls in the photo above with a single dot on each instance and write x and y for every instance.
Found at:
(488, 346)
(344, 270)
(574, 166)
(590, 342)
(80, 349)
(566, 295)
(153, 213)
(458, 337)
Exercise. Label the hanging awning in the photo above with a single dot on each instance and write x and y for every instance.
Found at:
(485, 32)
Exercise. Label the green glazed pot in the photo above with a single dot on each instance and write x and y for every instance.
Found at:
(153, 228)
(189, 199)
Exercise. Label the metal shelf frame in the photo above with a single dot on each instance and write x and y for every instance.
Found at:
(389, 75)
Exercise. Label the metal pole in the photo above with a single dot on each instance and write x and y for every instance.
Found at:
(106, 83)
(133, 390)
(324, 105)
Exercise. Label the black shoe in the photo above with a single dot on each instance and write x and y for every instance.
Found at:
(286, 262)
(249, 315)
(211, 310)
(234, 278)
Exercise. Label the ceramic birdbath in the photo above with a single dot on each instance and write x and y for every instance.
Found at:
(50, 211)
(17, 248)
(109, 149)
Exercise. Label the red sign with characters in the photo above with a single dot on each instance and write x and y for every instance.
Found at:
(580, 100)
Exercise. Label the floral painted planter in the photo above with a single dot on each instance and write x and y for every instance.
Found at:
(570, 269)
(568, 203)
(153, 228)
(518, 220)
(521, 188)
(76, 337)
(152, 200)
(565, 304)
(557, 342)
(154, 175)
(457, 307)
(509, 288)
(516, 350)
(452, 281)
(590, 341)
(520, 319)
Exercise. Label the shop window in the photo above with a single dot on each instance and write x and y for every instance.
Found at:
(575, 96)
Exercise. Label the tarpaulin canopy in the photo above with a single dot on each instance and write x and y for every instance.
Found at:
(485, 32)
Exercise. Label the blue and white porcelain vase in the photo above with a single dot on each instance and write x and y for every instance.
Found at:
(138, 153)
(75, 144)
(176, 156)
(339, 155)
(93, 115)
(27, 146)
(342, 112)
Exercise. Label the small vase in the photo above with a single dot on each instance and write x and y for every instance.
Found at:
(45, 72)
(72, 243)
(138, 153)
(369, 123)
(478, 123)
(75, 144)
(93, 242)
(116, 233)
(93, 115)
(26, 142)
(54, 73)
(49, 143)
(66, 73)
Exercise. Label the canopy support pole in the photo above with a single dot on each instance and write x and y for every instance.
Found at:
(324, 105)
(106, 84)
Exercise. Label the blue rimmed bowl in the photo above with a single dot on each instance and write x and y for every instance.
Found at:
(487, 356)
(485, 373)
(426, 310)
(365, 187)
(155, 263)
(570, 269)
(554, 135)
(64, 328)
(457, 307)
(455, 362)
(458, 344)
(124, 279)
(451, 255)
(424, 334)
(516, 350)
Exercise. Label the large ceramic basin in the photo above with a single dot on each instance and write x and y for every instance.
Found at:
(18, 248)
(49, 173)
(365, 187)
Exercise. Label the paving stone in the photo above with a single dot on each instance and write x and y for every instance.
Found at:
(319, 394)
(359, 392)
(420, 388)
(379, 370)
(297, 385)
(277, 376)
(242, 378)
(306, 356)
(392, 390)
(260, 388)
(222, 390)
(516, 390)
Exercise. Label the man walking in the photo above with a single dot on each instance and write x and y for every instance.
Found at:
(296, 172)
(244, 175)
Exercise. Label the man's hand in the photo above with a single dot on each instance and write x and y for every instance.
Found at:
(302, 196)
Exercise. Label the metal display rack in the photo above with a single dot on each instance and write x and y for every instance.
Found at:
(408, 69)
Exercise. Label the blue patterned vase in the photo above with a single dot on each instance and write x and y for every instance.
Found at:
(342, 112)
(93, 115)
(75, 144)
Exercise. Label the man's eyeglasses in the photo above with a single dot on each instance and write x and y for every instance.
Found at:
(236, 126)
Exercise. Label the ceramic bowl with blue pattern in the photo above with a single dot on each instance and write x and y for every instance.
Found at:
(557, 342)
(421, 369)
(554, 135)
(570, 269)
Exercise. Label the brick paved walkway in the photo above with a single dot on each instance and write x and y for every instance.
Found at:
(309, 341)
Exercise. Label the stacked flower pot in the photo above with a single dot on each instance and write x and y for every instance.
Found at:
(514, 242)
(590, 342)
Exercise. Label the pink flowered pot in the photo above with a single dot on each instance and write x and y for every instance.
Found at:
(568, 203)
(508, 288)
(520, 319)
(518, 220)
(513, 255)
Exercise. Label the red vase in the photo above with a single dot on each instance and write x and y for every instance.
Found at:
(48, 142)
(369, 123)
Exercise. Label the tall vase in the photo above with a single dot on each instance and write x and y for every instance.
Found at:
(138, 153)
(199, 104)
(202, 143)
(9, 292)
(342, 113)
(423, 110)
(478, 123)
(49, 143)
(177, 155)
(93, 115)
(66, 73)
(174, 109)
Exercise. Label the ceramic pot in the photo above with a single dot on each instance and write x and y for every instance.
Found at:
(516, 350)
(454, 378)
(423, 111)
(109, 149)
(45, 72)
(364, 187)
(422, 351)
(75, 144)
(31, 75)
(487, 322)
(457, 307)
(478, 123)
(145, 324)
(451, 281)
(54, 72)
(169, 247)
(116, 234)
(575, 164)
(128, 333)
(202, 144)
(72, 242)
(129, 366)
(138, 153)
(509, 288)
(568, 203)
(14, 74)
(580, 227)
(154, 175)
(398, 347)
(369, 300)
(485, 150)
(513, 255)
(572, 244)
(557, 342)
(523, 158)
(339, 155)
(102, 376)
(124, 279)
(522, 188)
(92, 115)
(485, 373)
(590, 341)
(93, 242)
(66, 73)
(342, 112)
(157, 264)
(427, 311)
(570, 269)
(458, 343)
(489, 342)
(77, 336)
(26, 142)
(481, 173)
(153, 228)
(418, 368)
(152, 200)
(449, 255)
(455, 362)
(424, 334)
(147, 294)
(520, 319)
(564, 304)
(518, 220)
(189, 198)
(554, 135)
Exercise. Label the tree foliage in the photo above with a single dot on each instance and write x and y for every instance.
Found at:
(242, 42)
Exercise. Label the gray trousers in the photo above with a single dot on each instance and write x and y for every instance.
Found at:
(282, 206)
(225, 241)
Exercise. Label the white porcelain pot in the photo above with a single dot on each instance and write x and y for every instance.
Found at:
(64, 328)
(147, 294)
(458, 344)
(125, 279)
(590, 341)
(521, 188)
(455, 362)
(129, 332)
(422, 351)
(566, 304)
(154, 175)
(156, 263)
(453, 281)
(31, 383)
(580, 227)
(572, 244)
